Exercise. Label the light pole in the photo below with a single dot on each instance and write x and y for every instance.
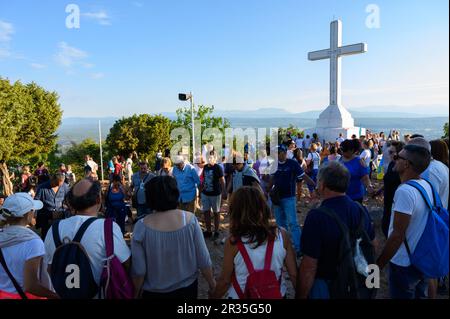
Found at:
(185, 97)
(101, 149)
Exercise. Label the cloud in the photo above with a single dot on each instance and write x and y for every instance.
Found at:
(37, 66)
(101, 17)
(6, 30)
(5, 53)
(97, 76)
(68, 56)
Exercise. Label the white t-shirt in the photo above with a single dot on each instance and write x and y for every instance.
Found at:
(299, 143)
(93, 165)
(340, 139)
(93, 242)
(408, 200)
(15, 257)
(366, 156)
(290, 154)
(437, 175)
(316, 158)
(129, 166)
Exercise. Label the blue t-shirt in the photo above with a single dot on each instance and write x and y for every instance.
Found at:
(321, 234)
(286, 176)
(357, 171)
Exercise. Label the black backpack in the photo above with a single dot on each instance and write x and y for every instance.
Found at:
(349, 284)
(72, 253)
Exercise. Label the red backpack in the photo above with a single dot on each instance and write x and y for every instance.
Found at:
(261, 284)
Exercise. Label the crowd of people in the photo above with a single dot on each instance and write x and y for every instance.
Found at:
(178, 208)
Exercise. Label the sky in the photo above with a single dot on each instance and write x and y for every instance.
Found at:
(135, 56)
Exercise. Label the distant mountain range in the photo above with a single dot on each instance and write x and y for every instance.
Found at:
(75, 129)
(366, 112)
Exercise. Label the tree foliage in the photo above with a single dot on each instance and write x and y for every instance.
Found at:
(75, 154)
(291, 130)
(204, 114)
(30, 116)
(146, 134)
(445, 130)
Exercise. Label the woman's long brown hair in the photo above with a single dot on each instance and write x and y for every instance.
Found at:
(250, 216)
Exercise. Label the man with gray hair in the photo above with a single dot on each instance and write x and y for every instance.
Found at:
(436, 173)
(408, 220)
(321, 235)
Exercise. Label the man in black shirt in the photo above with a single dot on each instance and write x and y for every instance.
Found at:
(212, 188)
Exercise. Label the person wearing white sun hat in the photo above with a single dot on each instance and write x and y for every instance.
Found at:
(22, 250)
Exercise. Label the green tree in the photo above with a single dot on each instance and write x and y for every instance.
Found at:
(282, 132)
(146, 134)
(445, 130)
(75, 154)
(202, 113)
(30, 116)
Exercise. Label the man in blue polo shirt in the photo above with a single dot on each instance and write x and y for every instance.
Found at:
(321, 235)
(188, 182)
(284, 183)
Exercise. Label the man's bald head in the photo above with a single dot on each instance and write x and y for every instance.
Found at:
(82, 187)
(84, 195)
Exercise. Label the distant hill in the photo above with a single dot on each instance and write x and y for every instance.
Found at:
(75, 129)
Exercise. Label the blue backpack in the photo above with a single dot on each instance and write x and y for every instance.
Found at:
(68, 255)
(431, 253)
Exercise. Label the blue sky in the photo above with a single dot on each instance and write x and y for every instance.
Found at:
(135, 56)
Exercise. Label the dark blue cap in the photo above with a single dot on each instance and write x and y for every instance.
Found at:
(282, 148)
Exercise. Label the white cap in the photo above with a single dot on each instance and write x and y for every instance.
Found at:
(178, 159)
(17, 205)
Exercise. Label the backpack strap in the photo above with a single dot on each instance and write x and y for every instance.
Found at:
(246, 257)
(436, 198)
(83, 229)
(55, 233)
(362, 222)
(13, 280)
(109, 240)
(236, 286)
(249, 265)
(330, 213)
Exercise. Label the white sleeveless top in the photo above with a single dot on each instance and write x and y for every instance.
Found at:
(257, 256)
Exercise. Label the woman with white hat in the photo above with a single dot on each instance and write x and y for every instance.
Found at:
(21, 250)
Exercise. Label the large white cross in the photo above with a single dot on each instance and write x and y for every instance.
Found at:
(334, 53)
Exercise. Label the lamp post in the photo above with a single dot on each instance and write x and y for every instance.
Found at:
(101, 149)
(186, 97)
